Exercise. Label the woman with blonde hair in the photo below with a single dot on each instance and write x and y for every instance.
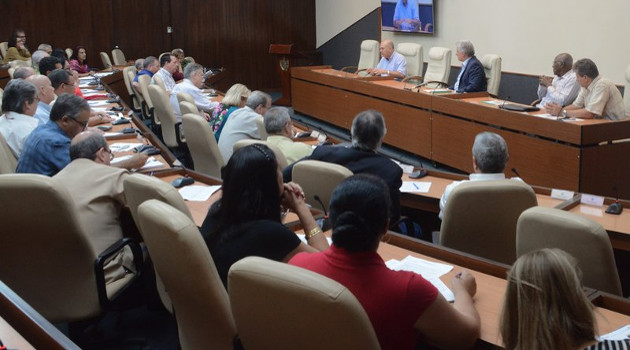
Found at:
(234, 99)
(545, 307)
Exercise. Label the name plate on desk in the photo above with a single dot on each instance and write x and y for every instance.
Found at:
(590, 199)
(561, 194)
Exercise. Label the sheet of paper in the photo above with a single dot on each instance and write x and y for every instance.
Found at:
(123, 146)
(442, 288)
(430, 271)
(196, 193)
(494, 102)
(98, 103)
(151, 163)
(112, 134)
(619, 334)
(415, 187)
(99, 109)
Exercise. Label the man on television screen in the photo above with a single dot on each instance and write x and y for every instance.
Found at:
(406, 16)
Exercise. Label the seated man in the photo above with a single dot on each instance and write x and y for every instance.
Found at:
(563, 88)
(368, 130)
(23, 72)
(193, 81)
(391, 63)
(151, 66)
(242, 123)
(46, 95)
(472, 77)
(406, 16)
(598, 97)
(19, 103)
(49, 64)
(139, 64)
(280, 133)
(490, 154)
(97, 192)
(169, 66)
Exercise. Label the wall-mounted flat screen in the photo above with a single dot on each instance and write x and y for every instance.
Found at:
(413, 16)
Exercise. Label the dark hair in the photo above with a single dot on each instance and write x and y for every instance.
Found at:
(250, 192)
(58, 77)
(16, 93)
(75, 54)
(87, 147)
(359, 212)
(165, 59)
(69, 105)
(48, 64)
(61, 55)
(13, 39)
(148, 61)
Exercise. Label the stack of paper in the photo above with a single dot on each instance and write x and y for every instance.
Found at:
(197, 193)
(430, 271)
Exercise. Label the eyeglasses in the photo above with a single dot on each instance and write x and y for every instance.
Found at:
(21, 36)
(83, 124)
(71, 85)
(111, 154)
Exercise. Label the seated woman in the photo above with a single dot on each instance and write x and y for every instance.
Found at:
(234, 99)
(78, 61)
(545, 306)
(403, 307)
(247, 220)
(16, 47)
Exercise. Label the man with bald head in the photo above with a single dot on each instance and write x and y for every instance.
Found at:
(97, 192)
(562, 88)
(46, 95)
(391, 64)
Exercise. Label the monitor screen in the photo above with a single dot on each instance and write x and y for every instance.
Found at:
(413, 16)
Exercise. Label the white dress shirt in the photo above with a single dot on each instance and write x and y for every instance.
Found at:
(15, 128)
(563, 90)
(202, 102)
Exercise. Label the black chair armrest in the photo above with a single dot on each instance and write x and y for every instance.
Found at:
(99, 263)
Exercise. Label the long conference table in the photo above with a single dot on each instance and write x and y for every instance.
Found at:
(586, 156)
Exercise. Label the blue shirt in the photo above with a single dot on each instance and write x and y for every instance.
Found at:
(143, 72)
(46, 151)
(396, 62)
(43, 113)
(406, 12)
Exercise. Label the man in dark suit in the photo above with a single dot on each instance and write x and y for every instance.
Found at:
(361, 157)
(472, 77)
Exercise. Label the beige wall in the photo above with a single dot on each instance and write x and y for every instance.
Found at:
(525, 33)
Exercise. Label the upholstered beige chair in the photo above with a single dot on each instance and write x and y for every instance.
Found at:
(162, 54)
(369, 56)
(148, 111)
(8, 162)
(47, 258)
(492, 66)
(181, 257)
(138, 189)
(189, 59)
(184, 96)
(439, 65)
(107, 63)
(202, 144)
(276, 305)
(414, 55)
(262, 131)
(319, 179)
(119, 57)
(163, 111)
(69, 52)
(129, 73)
(20, 63)
(282, 161)
(187, 107)
(480, 218)
(583, 238)
(4, 46)
(626, 91)
(159, 81)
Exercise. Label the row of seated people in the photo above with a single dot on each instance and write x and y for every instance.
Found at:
(576, 90)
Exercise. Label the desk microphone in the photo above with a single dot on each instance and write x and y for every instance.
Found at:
(615, 207)
(502, 106)
(420, 173)
(325, 222)
(516, 172)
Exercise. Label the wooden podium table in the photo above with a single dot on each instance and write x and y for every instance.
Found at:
(573, 155)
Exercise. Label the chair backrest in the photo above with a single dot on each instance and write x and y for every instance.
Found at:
(282, 161)
(414, 55)
(480, 218)
(8, 162)
(586, 240)
(20, 63)
(189, 59)
(128, 76)
(159, 81)
(439, 64)
(492, 66)
(144, 81)
(69, 52)
(162, 54)
(119, 57)
(187, 107)
(163, 111)
(319, 178)
(107, 63)
(271, 301)
(140, 188)
(1, 93)
(262, 131)
(182, 259)
(369, 54)
(202, 144)
(11, 71)
(47, 259)
(4, 46)
(626, 91)
(184, 96)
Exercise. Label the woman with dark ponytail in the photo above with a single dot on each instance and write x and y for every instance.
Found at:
(403, 307)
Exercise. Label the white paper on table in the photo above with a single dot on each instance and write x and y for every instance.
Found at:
(151, 163)
(424, 267)
(494, 102)
(112, 134)
(197, 193)
(431, 274)
(123, 146)
(100, 75)
(442, 288)
(622, 333)
(555, 117)
(99, 109)
(98, 103)
(415, 187)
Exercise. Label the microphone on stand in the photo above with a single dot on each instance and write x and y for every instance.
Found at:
(517, 174)
(615, 207)
(324, 223)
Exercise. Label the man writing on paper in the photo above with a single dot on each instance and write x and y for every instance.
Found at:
(392, 63)
(472, 77)
(598, 97)
(563, 88)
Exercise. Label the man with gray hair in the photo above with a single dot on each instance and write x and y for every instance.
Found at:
(151, 66)
(19, 103)
(280, 132)
(472, 77)
(193, 81)
(97, 192)
(243, 123)
(23, 72)
(490, 155)
(36, 57)
(362, 157)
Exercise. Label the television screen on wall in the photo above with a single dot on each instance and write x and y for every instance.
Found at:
(412, 16)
